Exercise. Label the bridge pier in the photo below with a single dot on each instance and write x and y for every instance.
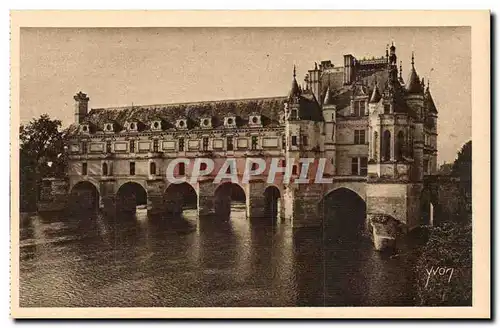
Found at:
(156, 202)
(301, 205)
(256, 201)
(108, 197)
(206, 197)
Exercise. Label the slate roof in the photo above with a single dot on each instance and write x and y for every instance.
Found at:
(270, 110)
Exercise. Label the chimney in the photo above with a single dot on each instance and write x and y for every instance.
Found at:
(81, 106)
(349, 69)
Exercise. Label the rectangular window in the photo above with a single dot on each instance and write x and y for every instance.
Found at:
(363, 166)
(84, 147)
(293, 114)
(182, 169)
(205, 143)
(294, 140)
(181, 144)
(132, 168)
(132, 146)
(156, 147)
(361, 108)
(387, 109)
(304, 140)
(359, 137)
(108, 147)
(254, 142)
(426, 165)
(230, 145)
(356, 108)
(84, 168)
(359, 166)
(354, 166)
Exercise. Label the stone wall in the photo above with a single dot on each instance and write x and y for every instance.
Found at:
(446, 196)
(53, 195)
(387, 198)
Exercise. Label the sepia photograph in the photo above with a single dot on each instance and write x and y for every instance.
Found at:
(248, 167)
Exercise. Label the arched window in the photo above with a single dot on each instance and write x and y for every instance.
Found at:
(386, 146)
(104, 168)
(400, 145)
(152, 168)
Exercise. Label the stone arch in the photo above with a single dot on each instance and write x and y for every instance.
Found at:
(225, 195)
(273, 202)
(120, 183)
(356, 187)
(429, 205)
(179, 197)
(344, 213)
(400, 145)
(84, 197)
(130, 195)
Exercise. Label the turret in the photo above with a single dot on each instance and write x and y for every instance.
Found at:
(81, 106)
(293, 98)
(413, 86)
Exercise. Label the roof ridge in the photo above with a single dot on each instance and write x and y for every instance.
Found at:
(190, 103)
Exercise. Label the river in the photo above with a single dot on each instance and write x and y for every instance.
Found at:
(92, 261)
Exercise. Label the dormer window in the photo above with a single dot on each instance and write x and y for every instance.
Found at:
(230, 122)
(255, 120)
(181, 124)
(84, 128)
(156, 125)
(206, 122)
(131, 126)
(108, 127)
(359, 107)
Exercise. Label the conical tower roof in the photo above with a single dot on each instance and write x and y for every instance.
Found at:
(295, 89)
(429, 102)
(376, 96)
(413, 86)
(328, 97)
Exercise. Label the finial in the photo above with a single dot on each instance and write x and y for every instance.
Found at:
(412, 59)
(294, 72)
(387, 50)
(315, 65)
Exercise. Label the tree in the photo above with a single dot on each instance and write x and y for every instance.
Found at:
(462, 167)
(41, 155)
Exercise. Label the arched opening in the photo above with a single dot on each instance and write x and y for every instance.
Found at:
(344, 214)
(131, 197)
(386, 146)
(84, 197)
(180, 199)
(230, 201)
(272, 202)
(400, 145)
(375, 143)
(104, 169)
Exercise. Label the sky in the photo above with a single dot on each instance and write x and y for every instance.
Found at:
(141, 66)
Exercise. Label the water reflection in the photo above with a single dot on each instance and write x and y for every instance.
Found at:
(131, 261)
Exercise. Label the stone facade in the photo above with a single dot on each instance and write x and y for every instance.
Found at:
(377, 132)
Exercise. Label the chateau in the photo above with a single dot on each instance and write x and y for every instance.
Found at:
(377, 131)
